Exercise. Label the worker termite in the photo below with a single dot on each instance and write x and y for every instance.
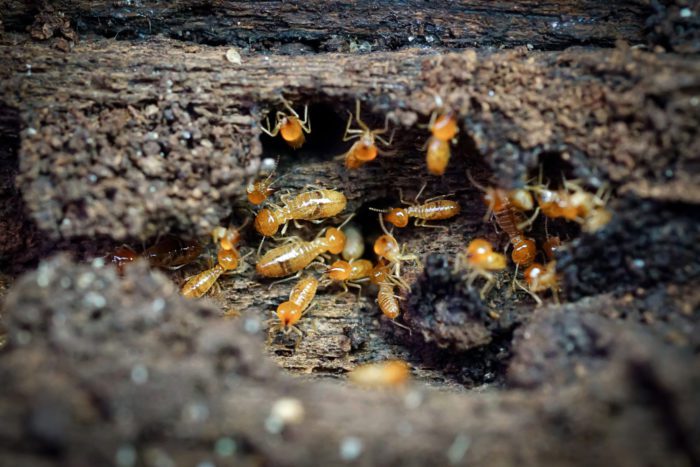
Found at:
(432, 209)
(349, 273)
(365, 149)
(260, 190)
(309, 205)
(386, 374)
(387, 300)
(227, 237)
(481, 261)
(444, 129)
(197, 286)
(508, 219)
(290, 125)
(386, 246)
(296, 254)
(541, 278)
(573, 203)
(290, 312)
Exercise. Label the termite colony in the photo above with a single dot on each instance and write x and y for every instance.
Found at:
(335, 256)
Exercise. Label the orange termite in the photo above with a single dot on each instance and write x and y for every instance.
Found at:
(481, 261)
(350, 273)
(173, 253)
(391, 373)
(432, 209)
(290, 126)
(309, 205)
(387, 301)
(297, 254)
(509, 220)
(260, 190)
(365, 149)
(290, 312)
(227, 238)
(540, 278)
(386, 246)
(200, 284)
(443, 129)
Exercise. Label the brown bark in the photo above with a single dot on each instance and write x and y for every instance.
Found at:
(320, 26)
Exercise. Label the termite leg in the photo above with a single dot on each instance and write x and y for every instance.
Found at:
(286, 279)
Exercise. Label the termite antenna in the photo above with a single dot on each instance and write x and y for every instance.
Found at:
(340, 227)
(383, 211)
(474, 182)
(381, 222)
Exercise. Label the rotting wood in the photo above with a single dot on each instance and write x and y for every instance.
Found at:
(364, 25)
(597, 111)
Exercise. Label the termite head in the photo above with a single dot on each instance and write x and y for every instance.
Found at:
(495, 199)
(288, 314)
(266, 223)
(365, 150)
(493, 262)
(121, 256)
(386, 246)
(379, 273)
(445, 127)
(339, 271)
(524, 250)
(336, 240)
(397, 216)
(478, 249)
(228, 259)
(533, 274)
(258, 192)
(290, 128)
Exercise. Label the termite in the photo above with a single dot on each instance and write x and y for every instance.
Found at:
(350, 273)
(432, 209)
(227, 238)
(573, 203)
(386, 246)
(365, 149)
(387, 300)
(540, 278)
(296, 254)
(481, 261)
(508, 219)
(309, 205)
(354, 243)
(391, 373)
(290, 125)
(197, 286)
(444, 129)
(290, 312)
(260, 190)
(172, 253)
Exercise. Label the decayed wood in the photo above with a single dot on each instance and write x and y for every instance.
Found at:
(128, 370)
(178, 124)
(320, 26)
